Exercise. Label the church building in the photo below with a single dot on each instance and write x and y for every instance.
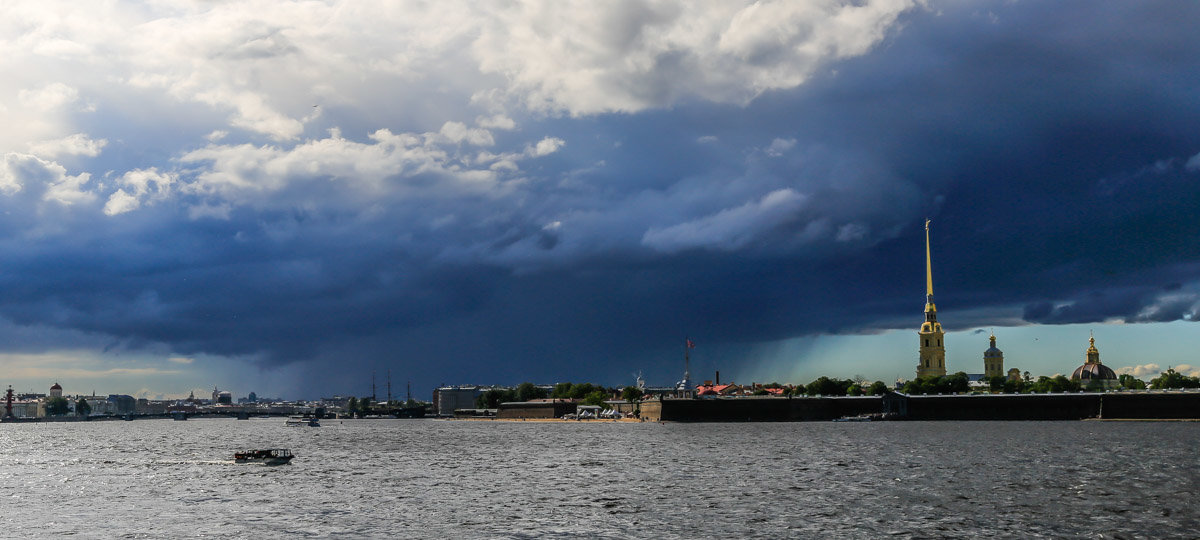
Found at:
(993, 360)
(932, 361)
(1092, 373)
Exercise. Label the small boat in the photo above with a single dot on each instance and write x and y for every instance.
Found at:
(270, 456)
(861, 418)
(298, 421)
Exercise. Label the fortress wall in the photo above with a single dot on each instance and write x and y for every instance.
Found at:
(1073, 406)
(767, 409)
(651, 410)
(1151, 405)
(1004, 407)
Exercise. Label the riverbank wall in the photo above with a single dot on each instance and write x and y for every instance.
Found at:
(760, 409)
(1076, 406)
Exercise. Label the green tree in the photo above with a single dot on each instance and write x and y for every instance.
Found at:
(877, 388)
(958, 383)
(633, 394)
(996, 383)
(561, 390)
(1173, 379)
(934, 384)
(83, 408)
(1094, 385)
(828, 387)
(365, 405)
(57, 406)
(527, 391)
(582, 390)
(596, 397)
(854, 390)
(1056, 384)
(352, 406)
(1130, 382)
(491, 399)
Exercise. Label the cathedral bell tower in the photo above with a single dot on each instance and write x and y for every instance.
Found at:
(993, 360)
(933, 353)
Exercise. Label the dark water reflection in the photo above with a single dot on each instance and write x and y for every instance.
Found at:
(435, 479)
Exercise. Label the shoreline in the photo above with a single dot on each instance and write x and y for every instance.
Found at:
(551, 420)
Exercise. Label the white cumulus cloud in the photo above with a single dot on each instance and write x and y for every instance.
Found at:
(547, 146)
(1141, 370)
(78, 144)
(1187, 369)
(602, 57)
(49, 97)
(138, 187)
(779, 147)
(17, 171)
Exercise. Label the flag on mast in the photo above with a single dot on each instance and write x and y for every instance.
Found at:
(690, 344)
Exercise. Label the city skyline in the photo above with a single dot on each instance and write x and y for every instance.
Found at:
(285, 198)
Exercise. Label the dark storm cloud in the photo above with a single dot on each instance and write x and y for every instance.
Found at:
(1050, 144)
(1046, 141)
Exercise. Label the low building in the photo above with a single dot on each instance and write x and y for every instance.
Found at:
(151, 406)
(447, 399)
(122, 404)
(718, 389)
(100, 406)
(978, 381)
(536, 409)
(28, 409)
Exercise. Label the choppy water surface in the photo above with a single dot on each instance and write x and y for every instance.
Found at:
(434, 479)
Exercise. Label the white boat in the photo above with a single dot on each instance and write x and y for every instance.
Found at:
(860, 418)
(299, 421)
(270, 456)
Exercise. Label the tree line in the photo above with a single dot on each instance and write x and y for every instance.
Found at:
(1173, 379)
(594, 394)
(958, 382)
(586, 393)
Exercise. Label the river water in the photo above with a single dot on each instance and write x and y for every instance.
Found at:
(472, 479)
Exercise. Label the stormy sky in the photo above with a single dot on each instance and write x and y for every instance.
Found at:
(286, 197)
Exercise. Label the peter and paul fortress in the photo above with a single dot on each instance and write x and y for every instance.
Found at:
(932, 352)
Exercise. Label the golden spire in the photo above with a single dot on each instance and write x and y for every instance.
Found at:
(928, 266)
